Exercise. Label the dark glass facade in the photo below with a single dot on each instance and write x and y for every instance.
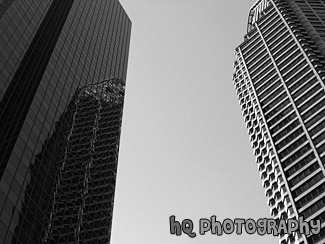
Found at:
(279, 79)
(60, 134)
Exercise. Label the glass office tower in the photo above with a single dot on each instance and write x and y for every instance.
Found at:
(279, 79)
(60, 128)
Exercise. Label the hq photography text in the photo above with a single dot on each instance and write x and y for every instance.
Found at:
(237, 226)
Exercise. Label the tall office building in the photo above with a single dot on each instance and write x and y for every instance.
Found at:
(62, 76)
(279, 79)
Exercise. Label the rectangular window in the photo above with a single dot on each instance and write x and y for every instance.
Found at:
(275, 102)
(292, 147)
(314, 109)
(316, 117)
(263, 93)
(284, 112)
(271, 96)
(302, 85)
(285, 130)
(295, 70)
(308, 94)
(289, 138)
(302, 175)
(313, 208)
(311, 195)
(311, 101)
(297, 155)
(317, 128)
(305, 186)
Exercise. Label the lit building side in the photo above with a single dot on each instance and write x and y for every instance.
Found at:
(51, 51)
(279, 79)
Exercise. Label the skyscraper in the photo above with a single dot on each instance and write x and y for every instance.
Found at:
(60, 125)
(279, 79)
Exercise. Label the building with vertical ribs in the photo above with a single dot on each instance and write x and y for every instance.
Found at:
(60, 127)
(279, 79)
(83, 194)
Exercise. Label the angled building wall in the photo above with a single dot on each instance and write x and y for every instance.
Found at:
(48, 49)
(82, 201)
(279, 79)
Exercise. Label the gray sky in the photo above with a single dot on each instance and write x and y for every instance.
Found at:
(184, 145)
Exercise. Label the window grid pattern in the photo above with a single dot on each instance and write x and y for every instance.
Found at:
(92, 45)
(82, 203)
(265, 158)
(312, 106)
(294, 114)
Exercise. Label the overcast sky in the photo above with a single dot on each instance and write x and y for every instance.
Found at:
(184, 146)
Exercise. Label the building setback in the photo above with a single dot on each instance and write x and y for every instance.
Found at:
(60, 126)
(279, 79)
